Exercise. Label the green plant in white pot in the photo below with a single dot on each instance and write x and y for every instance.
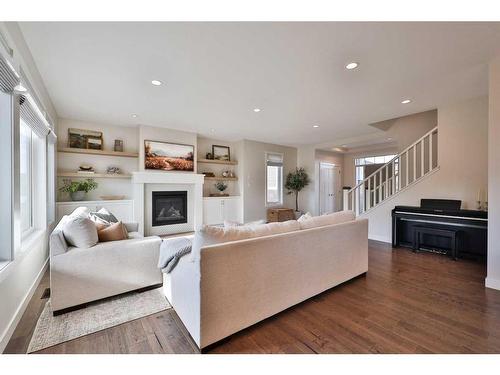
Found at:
(78, 189)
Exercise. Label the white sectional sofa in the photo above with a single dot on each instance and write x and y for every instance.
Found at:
(233, 285)
(82, 275)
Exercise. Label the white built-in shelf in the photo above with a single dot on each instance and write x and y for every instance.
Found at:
(211, 161)
(222, 178)
(94, 175)
(222, 197)
(99, 152)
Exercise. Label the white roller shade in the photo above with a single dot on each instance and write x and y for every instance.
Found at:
(33, 117)
(8, 77)
(274, 159)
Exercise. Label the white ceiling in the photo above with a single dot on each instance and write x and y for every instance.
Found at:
(214, 74)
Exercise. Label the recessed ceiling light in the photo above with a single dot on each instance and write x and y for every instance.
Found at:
(155, 82)
(351, 65)
(212, 130)
(134, 115)
(315, 126)
(256, 109)
(406, 101)
(344, 145)
(389, 139)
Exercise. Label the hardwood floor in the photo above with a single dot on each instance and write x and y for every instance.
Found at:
(407, 303)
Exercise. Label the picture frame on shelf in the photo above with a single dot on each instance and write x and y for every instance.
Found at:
(222, 153)
(85, 139)
(168, 156)
(118, 147)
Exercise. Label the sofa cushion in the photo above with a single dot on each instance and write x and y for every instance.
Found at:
(228, 223)
(211, 235)
(112, 232)
(80, 231)
(330, 219)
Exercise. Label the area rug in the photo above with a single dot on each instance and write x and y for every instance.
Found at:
(52, 330)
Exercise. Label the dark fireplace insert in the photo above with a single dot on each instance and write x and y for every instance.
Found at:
(169, 207)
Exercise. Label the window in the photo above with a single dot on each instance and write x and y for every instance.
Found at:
(5, 179)
(274, 179)
(26, 177)
(361, 163)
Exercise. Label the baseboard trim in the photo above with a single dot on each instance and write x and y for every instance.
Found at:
(7, 334)
(380, 238)
(492, 283)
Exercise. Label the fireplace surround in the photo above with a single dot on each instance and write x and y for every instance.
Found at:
(145, 183)
(169, 207)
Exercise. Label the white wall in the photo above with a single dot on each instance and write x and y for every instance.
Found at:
(253, 178)
(493, 272)
(407, 129)
(71, 162)
(19, 279)
(463, 160)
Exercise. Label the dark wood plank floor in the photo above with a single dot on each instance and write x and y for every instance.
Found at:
(407, 303)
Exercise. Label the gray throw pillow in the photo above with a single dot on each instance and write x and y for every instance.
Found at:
(80, 232)
(103, 216)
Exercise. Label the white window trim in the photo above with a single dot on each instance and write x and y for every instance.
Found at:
(274, 204)
(26, 233)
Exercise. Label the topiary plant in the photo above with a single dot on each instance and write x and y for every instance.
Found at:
(295, 182)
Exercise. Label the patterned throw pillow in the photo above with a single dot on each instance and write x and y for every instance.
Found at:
(103, 216)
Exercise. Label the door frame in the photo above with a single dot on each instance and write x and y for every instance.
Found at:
(335, 167)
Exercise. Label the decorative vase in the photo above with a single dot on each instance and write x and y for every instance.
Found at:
(78, 196)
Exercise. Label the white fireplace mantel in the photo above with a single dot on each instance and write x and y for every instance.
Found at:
(159, 177)
(143, 178)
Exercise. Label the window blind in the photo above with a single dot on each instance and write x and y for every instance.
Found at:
(33, 117)
(8, 77)
(274, 159)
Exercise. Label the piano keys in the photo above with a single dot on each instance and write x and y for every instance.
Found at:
(470, 227)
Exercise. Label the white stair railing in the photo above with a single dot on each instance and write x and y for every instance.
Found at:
(406, 168)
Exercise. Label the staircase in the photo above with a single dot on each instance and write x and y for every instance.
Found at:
(406, 169)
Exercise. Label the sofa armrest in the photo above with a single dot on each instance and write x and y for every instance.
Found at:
(132, 227)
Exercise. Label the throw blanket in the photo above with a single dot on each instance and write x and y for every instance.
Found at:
(171, 250)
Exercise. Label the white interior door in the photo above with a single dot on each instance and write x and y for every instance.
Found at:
(329, 188)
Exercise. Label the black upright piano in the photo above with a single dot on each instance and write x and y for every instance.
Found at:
(433, 220)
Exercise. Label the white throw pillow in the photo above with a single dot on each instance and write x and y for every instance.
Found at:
(80, 232)
(330, 219)
(80, 211)
(211, 235)
(304, 217)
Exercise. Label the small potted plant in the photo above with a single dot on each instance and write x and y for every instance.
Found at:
(221, 186)
(295, 182)
(78, 189)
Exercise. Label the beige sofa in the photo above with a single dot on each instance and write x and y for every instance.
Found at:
(234, 285)
(78, 276)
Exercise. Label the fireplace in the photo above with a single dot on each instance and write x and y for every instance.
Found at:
(169, 207)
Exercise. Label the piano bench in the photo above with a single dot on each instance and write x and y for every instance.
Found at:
(452, 234)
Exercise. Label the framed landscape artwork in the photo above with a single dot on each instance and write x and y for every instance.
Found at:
(168, 156)
(221, 153)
